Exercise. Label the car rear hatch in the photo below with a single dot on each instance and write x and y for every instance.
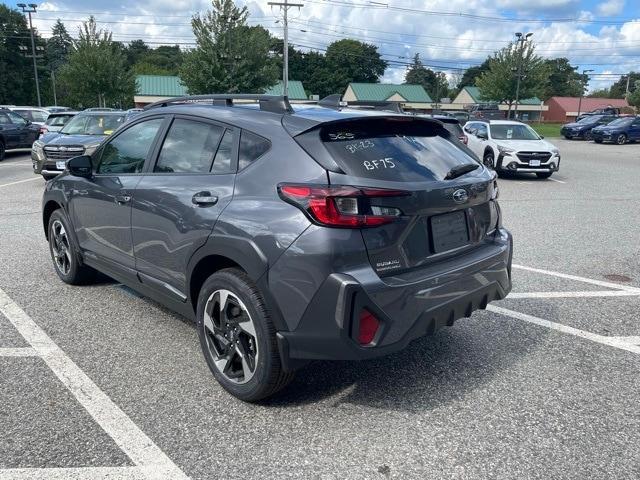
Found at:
(438, 200)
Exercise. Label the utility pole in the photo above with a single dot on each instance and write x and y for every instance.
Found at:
(626, 92)
(285, 6)
(520, 40)
(584, 84)
(29, 9)
(53, 81)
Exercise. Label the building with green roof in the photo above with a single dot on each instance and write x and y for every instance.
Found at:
(528, 108)
(410, 96)
(154, 88)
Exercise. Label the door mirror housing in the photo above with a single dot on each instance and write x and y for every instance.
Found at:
(80, 166)
(482, 135)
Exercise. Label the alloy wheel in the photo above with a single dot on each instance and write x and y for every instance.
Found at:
(488, 161)
(60, 247)
(230, 336)
(622, 139)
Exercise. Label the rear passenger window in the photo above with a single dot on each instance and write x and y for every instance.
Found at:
(222, 160)
(189, 147)
(252, 147)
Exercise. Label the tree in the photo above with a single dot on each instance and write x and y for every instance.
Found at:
(58, 46)
(17, 84)
(634, 97)
(230, 56)
(136, 51)
(499, 83)
(96, 73)
(471, 74)
(600, 93)
(351, 61)
(435, 83)
(564, 80)
(619, 89)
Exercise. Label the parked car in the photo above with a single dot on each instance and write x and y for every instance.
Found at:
(247, 220)
(600, 111)
(452, 125)
(35, 115)
(101, 109)
(485, 111)
(57, 108)
(80, 136)
(15, 131)
(582, 128)
(461, 115)
(512, 146)
(55, 121)
(620, 131)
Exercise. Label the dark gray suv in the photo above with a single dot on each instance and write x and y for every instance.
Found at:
(287, 234)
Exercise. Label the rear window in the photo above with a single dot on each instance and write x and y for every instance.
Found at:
(58, 120)
(454, 128)
(398, 150)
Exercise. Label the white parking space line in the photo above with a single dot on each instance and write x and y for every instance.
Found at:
(579, 279)
(556, 180)
(10, 164)
(18, 352)
(81, 473)
(21, 181)
(126, 434)
(581, 294)
(633, 340)
(615, 342)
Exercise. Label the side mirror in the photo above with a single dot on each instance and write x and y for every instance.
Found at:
(482, 136)
(541, 136)
(80, 166)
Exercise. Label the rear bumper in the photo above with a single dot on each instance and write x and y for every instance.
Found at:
(407, 306)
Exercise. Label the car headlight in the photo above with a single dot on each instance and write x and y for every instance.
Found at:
(89, 149)
(555, 151)
(505, 150)
(38, 145)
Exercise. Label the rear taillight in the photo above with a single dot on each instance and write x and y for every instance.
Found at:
(342, 206)
(367, 327)
(43, 130)
(463, 139)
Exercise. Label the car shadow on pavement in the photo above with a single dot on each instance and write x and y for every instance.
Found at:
(431, 372)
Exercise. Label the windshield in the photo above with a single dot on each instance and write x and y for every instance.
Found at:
(590, 119)
(58, 120)
(513, 132)
(621, 122)
(93, 125)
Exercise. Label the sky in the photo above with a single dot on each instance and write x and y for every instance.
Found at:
(449, 35)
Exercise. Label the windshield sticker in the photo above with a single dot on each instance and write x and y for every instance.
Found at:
(380, 164)
(509, 134)
(361, 145)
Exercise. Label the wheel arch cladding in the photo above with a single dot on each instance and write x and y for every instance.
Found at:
(203, 269)
(48, 209)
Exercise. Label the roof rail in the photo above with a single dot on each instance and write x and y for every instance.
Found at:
(268, 103)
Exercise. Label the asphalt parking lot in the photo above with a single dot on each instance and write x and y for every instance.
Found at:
(97, 383)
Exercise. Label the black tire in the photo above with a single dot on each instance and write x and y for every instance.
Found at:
(568, 137)
(70, 269)
(2, 150)
(489, 160)
(48, 177)
(268, 376)
(621, 139)
(588, 136)
(597, 140)
(544, 174)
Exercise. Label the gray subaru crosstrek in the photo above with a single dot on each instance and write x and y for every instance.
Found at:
(287, 234)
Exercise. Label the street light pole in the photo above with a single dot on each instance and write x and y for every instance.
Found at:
(521, 39)
(29, 9)
(285, 6)
(584, 84)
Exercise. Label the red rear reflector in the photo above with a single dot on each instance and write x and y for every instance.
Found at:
(352, 210)
(368, 327)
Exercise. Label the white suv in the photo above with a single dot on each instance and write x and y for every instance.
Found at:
(510, 146)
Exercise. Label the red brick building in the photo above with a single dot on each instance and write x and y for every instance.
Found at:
(565, 109)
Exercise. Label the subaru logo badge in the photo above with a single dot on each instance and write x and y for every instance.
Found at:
(63, 149)
(460, 195)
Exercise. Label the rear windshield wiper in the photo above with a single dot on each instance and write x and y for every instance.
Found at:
(459, 170)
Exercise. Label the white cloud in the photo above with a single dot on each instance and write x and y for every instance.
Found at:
(611, 7)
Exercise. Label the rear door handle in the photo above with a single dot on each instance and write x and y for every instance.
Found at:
(123, 199)
(204, 199)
